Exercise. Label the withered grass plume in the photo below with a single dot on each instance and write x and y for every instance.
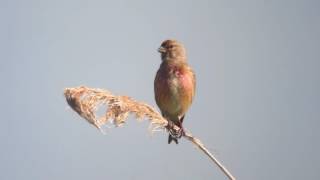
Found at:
(86, 102)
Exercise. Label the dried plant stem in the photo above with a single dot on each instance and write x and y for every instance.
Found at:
(198, 143)
(86, 101)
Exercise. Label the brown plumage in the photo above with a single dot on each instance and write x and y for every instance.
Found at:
(174, 85)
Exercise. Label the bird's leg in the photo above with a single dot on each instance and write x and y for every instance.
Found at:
(181, 132)
(170, 128)
(176, 134)
(170, 125)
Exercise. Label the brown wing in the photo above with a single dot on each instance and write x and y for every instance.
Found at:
(161, 91)
(192, 75)
(188, 84)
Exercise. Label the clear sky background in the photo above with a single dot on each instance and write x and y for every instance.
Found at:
(256, 107)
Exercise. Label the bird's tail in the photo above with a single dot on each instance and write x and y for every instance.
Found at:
(170, 138)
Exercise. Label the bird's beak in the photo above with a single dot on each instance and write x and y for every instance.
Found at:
(161, 50)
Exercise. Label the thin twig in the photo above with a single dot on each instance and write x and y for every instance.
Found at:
(86, 101)
(198, 143)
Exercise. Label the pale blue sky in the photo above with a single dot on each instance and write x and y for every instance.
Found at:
(257, 102)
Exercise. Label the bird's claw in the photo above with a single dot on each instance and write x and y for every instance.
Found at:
(174, 133)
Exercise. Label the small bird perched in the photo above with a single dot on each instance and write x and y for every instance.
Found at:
(174, 86)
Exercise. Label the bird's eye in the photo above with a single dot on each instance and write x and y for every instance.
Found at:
(170, 46)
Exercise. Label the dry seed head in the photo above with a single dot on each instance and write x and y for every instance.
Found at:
(86, 101)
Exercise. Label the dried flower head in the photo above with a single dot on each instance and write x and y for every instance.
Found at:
(86, 102)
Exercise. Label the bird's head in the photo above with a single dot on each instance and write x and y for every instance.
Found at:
(172, 50)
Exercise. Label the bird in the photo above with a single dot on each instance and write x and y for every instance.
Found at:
(174, 86)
